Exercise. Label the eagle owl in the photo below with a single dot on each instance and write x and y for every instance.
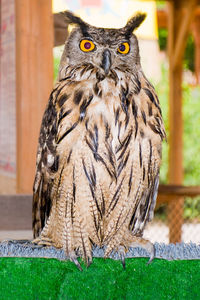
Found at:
(99, 147)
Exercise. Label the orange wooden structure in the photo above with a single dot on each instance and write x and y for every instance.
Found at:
(163, 15)
(34, 80)
(180, 16)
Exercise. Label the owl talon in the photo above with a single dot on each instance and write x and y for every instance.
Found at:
(42, 242)
(73, 258)
(36, 241)
(75, 261)
(152, 255)
(123, 261)
(45, 243)
(89, 261)
(122, 255)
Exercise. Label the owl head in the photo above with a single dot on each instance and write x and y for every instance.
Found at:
(104, 48)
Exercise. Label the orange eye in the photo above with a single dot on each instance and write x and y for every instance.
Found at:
(124, 48)
(87, 45)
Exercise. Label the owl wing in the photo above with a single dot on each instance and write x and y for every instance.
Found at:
(149, 156)
(145, 202)
(46, 165)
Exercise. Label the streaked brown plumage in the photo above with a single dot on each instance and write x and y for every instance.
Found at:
(99, 148)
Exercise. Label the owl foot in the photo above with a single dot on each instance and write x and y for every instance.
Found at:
(89, 261)
(122, 254)
(145, 244)
(42, 241)
(73, 258)
(152, 255)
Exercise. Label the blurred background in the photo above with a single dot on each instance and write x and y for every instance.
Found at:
(32, 35)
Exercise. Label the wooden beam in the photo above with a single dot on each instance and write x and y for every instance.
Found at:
(179, 190)
(162, 16)
(175, 171)
(170, 194)
(183, 30)
(34, 80)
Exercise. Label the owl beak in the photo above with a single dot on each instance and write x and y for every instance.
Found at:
(106, 61)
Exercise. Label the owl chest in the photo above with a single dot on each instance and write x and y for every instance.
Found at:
(110, 138)
(107, 120)
(102, 116)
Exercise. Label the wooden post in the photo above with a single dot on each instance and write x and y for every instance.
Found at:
(34, 80)
(177, 36)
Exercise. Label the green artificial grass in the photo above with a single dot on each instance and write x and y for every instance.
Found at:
(40, 278)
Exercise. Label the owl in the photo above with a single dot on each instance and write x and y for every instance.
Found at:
(99, 149)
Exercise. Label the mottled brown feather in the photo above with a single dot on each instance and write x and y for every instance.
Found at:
(98, 159)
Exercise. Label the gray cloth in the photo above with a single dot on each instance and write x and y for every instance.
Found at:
(183, 251)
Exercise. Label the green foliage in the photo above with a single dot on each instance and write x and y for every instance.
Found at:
(189, 51)
(40, 278)
(162, 38)
(56, 66)
(191, 118)
(162, 89)
(160, 4)
(192, 208)
(189, 54)
(160, 213)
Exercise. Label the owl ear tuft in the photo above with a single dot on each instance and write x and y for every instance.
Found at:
(73, 19)
(134, 23)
